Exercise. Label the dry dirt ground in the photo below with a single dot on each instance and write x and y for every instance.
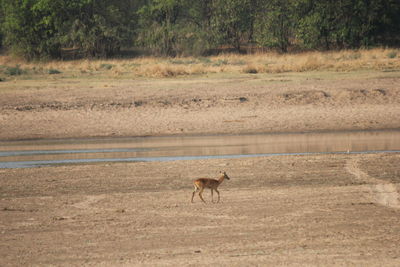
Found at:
(284, 210)
(287, 210)
(56, 107)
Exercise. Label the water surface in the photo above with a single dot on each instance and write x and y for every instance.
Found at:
(23, 154)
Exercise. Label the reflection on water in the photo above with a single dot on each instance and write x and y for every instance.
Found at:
(17, 154)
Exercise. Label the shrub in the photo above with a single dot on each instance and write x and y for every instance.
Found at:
(13, 71)
(54, 71)
(250, 69)
(106, 66)
(392, 54)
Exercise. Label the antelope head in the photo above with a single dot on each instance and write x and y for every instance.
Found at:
(223, 174)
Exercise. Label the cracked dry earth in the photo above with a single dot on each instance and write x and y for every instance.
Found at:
(284, 210)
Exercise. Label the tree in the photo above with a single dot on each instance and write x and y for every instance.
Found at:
(172, 27)
(348, 23)
(100, 27)
(232, 22)
(27, 31)
(274, 24)
(384, 22)
(40, 28)
(1, 23)
(315, 23)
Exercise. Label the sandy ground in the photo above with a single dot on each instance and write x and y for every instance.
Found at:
(66, 108)
(287, 210)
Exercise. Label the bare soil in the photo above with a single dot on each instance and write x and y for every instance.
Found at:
(284, 210)
(233, 104)
(288, 210)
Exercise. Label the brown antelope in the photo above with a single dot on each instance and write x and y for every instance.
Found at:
(213, 184)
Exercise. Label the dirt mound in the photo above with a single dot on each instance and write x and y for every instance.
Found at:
(304, 97)
(363, 95)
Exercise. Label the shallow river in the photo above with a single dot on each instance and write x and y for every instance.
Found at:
(25, 154)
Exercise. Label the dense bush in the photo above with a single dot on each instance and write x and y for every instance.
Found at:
(100, 28)
(41, 28)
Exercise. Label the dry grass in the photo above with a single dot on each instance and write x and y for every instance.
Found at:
(348, 60)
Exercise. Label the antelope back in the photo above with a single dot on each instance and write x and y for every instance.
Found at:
(207, 183)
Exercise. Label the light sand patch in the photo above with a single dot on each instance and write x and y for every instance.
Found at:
(385, 193)
(89, 202)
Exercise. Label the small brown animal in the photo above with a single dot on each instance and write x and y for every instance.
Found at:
(213, 184)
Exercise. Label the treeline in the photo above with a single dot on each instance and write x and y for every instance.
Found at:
(100, 28)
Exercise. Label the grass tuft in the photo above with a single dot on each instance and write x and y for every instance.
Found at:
(220, 62)
(183, 62)
(205, 60)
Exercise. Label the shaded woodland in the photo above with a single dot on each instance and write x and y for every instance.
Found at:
(44, 29)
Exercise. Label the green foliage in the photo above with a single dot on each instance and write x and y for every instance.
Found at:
(392, 54)
(232, 22)
(54, 71)
(40, 28)
(1, 23)
(14, 71)
(100, 28)
(173, 27)
(27, 31)
(347, 23)
(275, 23)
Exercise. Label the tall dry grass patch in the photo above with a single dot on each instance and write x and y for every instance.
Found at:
(346, 60)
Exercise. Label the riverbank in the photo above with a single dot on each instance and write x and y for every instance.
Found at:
(50, 107)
